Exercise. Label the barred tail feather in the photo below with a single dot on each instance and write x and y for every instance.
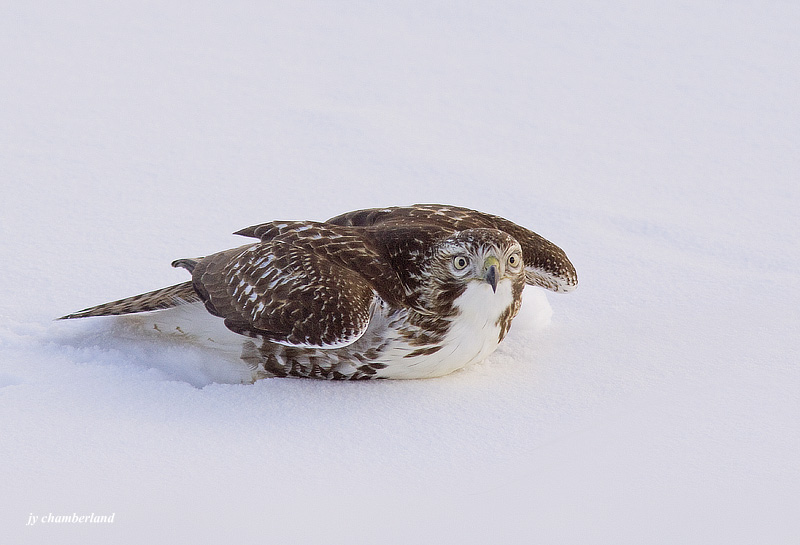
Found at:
(163, 298)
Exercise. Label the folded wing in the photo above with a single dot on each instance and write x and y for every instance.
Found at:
(546, 264)
(289, 292)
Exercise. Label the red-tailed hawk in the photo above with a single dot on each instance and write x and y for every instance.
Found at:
(401, 292)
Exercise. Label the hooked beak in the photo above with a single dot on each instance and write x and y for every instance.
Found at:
(490, 272)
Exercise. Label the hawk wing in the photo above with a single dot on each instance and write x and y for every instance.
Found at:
(546, 264)
(305, 284)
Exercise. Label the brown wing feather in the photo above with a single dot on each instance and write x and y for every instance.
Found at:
(546, 264)
(306, 283)
(285, 294)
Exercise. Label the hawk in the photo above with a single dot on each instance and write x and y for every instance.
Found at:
(400, 292)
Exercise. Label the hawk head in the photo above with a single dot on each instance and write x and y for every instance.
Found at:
(486, 261)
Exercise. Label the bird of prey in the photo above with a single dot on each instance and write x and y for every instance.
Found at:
(400, 292)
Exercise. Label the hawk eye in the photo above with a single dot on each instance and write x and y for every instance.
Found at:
(460, 262)
(513, 260)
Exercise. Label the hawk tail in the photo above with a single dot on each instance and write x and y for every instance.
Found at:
(163, 298)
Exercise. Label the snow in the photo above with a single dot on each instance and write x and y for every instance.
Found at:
(655, 142)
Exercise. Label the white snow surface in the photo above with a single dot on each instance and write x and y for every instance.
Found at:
(656, 142)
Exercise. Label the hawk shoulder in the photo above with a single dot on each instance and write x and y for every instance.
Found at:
(546, 264)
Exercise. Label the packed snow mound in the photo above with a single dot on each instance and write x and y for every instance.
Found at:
(147, 342)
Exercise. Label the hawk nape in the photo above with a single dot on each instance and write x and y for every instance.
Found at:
(401, 292)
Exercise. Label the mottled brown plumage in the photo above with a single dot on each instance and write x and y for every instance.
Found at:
(401, 292)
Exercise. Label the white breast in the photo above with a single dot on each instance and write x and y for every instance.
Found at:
(473, 335)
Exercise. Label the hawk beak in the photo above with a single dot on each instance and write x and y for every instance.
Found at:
(490, 266)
